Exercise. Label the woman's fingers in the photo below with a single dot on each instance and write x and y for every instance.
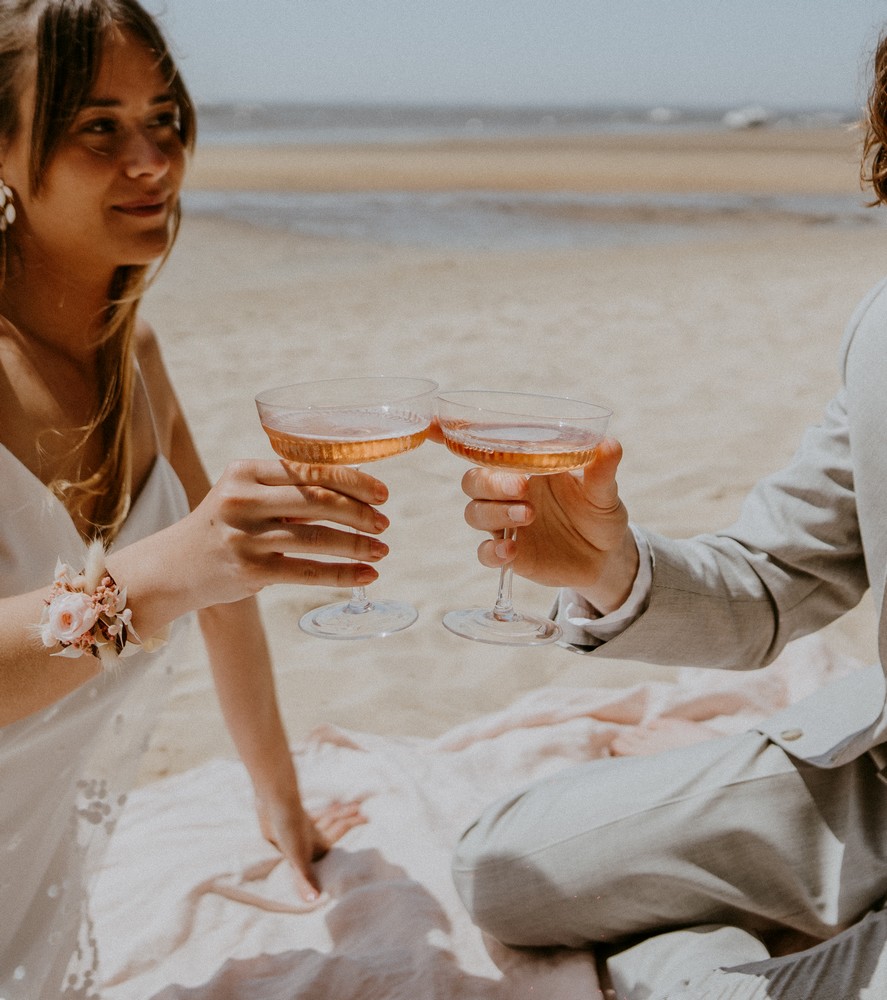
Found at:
(338, 478)
(320, 539)
(274, 522)
(316, 573)
(297, 504)
(334, 822)
(307, 883)
(268, 491)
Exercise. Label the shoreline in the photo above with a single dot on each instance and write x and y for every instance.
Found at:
(755, 161)
(526, 221)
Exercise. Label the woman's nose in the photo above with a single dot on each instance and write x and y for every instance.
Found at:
(144, 156)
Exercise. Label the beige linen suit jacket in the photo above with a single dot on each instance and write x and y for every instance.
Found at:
(809, 541)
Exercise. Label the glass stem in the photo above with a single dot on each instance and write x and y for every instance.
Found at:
(358, 603)
(503, 610)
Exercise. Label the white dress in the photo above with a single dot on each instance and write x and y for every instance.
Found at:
(65, 770)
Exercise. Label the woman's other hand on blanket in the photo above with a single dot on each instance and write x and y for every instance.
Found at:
(303, 837)
(573, 528)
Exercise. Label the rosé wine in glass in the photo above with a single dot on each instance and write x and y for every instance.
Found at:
(522, 432)
(348, 422)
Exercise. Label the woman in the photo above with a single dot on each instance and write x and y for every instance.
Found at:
(95, 123)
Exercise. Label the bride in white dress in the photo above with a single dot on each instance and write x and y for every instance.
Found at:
(95, 126)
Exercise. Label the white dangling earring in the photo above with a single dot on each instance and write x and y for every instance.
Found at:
(7, 208)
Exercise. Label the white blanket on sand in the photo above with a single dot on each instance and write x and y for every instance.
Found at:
(192, 904)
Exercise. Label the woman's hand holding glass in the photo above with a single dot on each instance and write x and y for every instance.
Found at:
(264, 522)
(261, 522)
(345, 422)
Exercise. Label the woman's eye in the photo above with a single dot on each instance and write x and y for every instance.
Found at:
(166, 119)
(99, 126)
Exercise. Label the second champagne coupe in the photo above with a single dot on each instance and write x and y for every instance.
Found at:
(521, 432)
(347, 422)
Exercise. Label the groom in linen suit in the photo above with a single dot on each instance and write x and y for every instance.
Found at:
(690, 863)
(702, 851)
(808, 544)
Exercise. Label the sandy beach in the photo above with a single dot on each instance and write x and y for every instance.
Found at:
(713, 352)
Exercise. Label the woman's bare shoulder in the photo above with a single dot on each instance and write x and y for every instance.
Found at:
(146, 346)
(164, 403)
(168, 415)
(151, 362)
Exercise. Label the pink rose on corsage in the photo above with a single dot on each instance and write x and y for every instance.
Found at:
(70, 616)
(87, 614)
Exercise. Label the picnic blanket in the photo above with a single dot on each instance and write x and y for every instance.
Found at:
(192, 904)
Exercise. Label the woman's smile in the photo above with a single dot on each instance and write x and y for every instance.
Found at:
(150, 208)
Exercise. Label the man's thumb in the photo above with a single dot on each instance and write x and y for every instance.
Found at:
(599, 478)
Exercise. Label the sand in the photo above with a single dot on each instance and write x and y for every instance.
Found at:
(714, 353)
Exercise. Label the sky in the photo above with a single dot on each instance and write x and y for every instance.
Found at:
(804, 54)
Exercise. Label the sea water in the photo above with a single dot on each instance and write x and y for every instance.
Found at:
(494, 220)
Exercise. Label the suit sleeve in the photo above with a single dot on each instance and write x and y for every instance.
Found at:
(791, 563)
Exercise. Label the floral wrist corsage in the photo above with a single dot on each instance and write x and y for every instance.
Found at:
(87, 613)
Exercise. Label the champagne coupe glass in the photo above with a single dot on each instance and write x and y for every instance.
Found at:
(346, 422)
(521, 432)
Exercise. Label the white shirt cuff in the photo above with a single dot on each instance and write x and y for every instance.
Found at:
(583, 626)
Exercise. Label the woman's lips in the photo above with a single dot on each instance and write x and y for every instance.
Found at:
(142, 209)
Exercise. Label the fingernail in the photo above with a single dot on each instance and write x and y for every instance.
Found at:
(501, 550)
(378, 549)
(517, 513)
(380, 522)
(365, 574)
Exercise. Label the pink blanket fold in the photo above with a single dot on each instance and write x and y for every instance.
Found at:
(192, 903)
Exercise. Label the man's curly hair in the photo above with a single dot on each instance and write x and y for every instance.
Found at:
(874, 150)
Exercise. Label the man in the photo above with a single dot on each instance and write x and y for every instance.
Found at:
(691, 860)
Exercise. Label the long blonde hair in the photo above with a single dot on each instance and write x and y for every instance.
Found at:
(59, 44)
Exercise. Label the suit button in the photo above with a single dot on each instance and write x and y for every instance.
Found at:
(791, 734)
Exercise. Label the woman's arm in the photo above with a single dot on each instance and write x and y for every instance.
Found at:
(255, 527)
(243, 675)
(242, 671)
(258, 525)
(235, 638)
(30, 678)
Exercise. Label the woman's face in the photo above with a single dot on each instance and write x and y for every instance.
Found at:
(114, 180)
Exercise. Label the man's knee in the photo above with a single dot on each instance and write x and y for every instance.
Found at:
(508, 895)
(491, 886)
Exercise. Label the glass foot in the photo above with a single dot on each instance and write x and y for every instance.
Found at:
(339, 621)
(484, 626)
